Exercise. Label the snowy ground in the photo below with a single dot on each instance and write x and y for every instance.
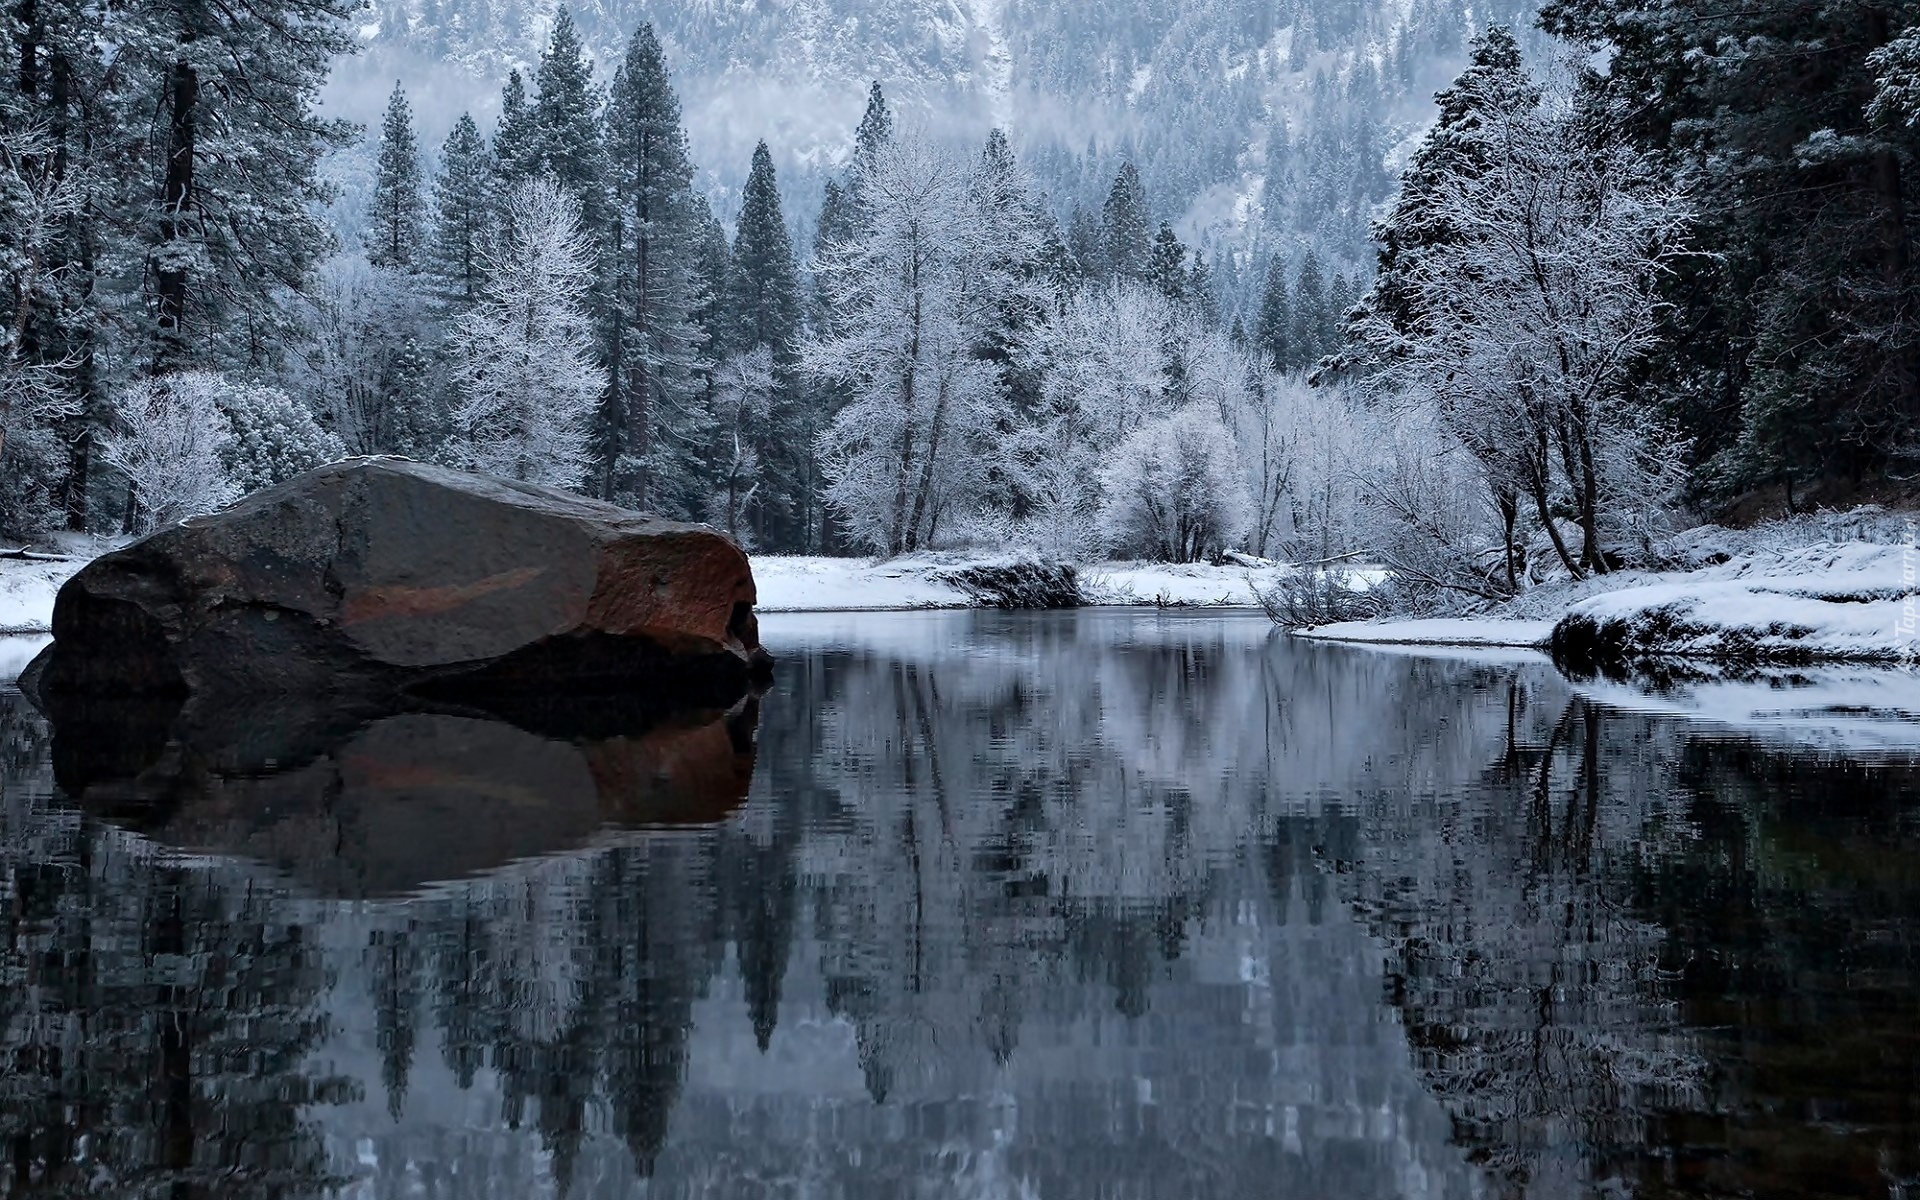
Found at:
(1832, 601)
(793, 584)
(27, 588)
(1847, 602)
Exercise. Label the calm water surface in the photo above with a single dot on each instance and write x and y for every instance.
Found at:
(1107, 904)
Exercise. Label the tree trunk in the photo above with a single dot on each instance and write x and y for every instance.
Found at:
(925, 487)
(176, 206)
(1576, 456)
(1537, 488)
(1508, 502)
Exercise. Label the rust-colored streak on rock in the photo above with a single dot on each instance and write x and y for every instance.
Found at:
(400, 602)
(685, 588)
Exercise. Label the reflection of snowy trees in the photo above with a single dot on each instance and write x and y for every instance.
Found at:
(1044, 907)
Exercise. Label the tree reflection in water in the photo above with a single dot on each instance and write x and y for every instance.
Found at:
(1070, 905)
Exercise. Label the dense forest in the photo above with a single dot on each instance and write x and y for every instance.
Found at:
(1633, 271)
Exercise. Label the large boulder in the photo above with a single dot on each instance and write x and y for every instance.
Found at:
(384, 576)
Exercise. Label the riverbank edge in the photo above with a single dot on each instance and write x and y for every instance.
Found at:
(796, 584)
(1836, 602)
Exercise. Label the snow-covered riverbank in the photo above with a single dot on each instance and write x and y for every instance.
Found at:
(1824, 602)
(27, 589)
(794, 584)
(1838, 601)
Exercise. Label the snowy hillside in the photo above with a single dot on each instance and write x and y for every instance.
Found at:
(1258, 127)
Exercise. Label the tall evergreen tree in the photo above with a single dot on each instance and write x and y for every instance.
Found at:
(1493, 79)
(1308, 332)
(566, 118)
(875, 131)
(650, 436)
(763, 302)
(516, 139)
(235, 217)
(764, 286)
(1086, 244)
(1167, 264)
(461, 208)
(1127, 231)
(398, 226)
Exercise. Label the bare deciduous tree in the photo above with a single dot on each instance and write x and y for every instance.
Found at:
(523, 359)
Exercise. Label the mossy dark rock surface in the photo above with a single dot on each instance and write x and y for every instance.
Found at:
(382, 576)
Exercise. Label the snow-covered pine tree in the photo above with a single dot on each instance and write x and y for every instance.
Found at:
(763, 306)
(462, 213)
(235, 215)
(650, 433)
(516, 138)
(1167, 265)
(396, 228)
(1454, 147)
(1016, 236)
(1085, 244)
(874, 132)
(1127, 229)
(566, 119)
(1308, 335)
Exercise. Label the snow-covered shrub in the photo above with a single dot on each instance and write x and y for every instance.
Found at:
(1175, 490)
(1425, 511)
(271, 437)
(1308, 597)
(168, 440)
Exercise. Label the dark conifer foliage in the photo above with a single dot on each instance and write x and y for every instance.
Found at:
(763, 310)
(1167, 269)
(461, 208)
(1794, 351)
(1273, 332)
(516, 138)
(398, 225)
(1127, 230)
(652, 432)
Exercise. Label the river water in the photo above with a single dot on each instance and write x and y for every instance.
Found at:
(1104, 904)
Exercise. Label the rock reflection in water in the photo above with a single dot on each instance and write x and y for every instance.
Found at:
(358, 805)
(1079, 905)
